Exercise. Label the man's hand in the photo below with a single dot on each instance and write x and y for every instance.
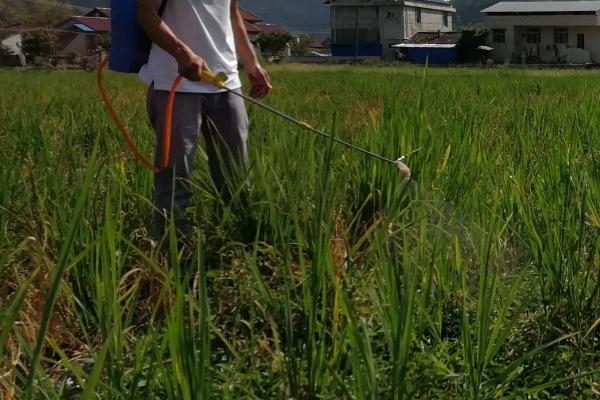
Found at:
(191, 66)
(260, 81)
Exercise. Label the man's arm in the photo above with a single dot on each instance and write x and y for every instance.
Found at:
(261, 84)
(190, 64)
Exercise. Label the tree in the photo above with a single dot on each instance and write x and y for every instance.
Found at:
(469, 11)
(274, 43)
(103, 41)
(470, 40)
(301, 46)
(38, 44)
(34, 13)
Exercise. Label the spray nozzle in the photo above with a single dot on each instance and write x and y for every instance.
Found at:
(403, 168)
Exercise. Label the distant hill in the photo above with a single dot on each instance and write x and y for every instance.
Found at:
(33, 12)
(90, 3)
(469, 11)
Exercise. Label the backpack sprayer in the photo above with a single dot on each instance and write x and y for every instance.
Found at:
(129, 52)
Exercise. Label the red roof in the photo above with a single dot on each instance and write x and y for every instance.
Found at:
(252, 29)
(247, 16)
(270, 28)
(95, 23)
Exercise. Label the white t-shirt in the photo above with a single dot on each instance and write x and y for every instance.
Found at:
(204, 26)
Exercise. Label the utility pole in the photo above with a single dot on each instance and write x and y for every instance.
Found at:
(356, 39)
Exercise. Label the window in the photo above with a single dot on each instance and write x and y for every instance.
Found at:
(499, 35)
(390, 15)
(561, 35)
(445, 19)
(533, 36)
(580, 41)
(418, 15)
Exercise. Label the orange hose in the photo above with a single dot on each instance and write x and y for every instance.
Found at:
(168, 121)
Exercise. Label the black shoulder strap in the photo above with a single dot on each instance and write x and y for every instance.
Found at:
(161, 10)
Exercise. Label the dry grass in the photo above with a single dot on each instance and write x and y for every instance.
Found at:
(33, 269)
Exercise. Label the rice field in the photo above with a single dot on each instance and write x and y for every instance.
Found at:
(328, 277)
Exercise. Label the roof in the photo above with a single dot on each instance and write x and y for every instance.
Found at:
(106, 11)
(90, 24)
(96, 23)
(248, 16)
(318, 44)
(436, 2)
(251, 29)
(83, 27)
(434, 38)
(99, 12)
(270, 28)
(425, 46)
(544, 7)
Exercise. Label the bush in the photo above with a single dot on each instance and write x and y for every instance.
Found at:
(38, 44)
(274, 43)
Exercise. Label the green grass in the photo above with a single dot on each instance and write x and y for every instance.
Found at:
(328, 277)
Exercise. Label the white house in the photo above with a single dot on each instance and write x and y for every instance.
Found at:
(11, 39)
(369, 28)
(544, 31)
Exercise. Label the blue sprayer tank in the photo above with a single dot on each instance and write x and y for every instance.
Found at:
(130, 47)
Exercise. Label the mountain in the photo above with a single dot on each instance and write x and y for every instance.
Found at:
(469, 11)
(33, 12)
(89, 3)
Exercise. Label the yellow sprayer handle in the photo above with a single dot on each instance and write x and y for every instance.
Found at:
(217, 80)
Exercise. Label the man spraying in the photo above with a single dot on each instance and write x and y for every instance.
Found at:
(190, 36)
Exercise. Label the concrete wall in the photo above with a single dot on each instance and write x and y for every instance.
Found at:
(503, 52)
(344, 28)
(74, 43)
(392, 29)
(542, 20)
(515, 48)
(431, 21)
(14, 44)
(377, 25)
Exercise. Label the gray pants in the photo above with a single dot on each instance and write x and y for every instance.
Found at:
(223, 121)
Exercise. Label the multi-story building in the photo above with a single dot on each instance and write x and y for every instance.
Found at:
(369, 28)
(545, 31)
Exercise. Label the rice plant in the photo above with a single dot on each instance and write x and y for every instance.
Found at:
(328, 276)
